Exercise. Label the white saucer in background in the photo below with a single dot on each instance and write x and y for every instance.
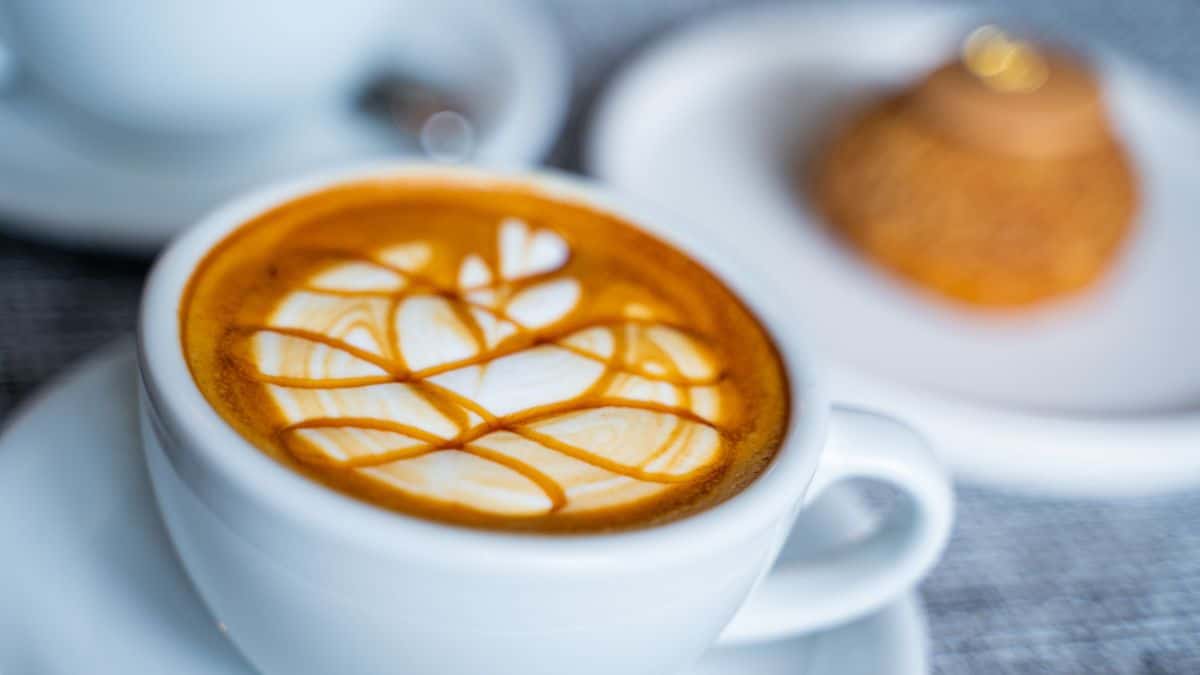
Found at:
(508, 63)
(91, 584)
(1093, 396)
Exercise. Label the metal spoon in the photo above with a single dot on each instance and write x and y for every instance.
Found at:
(437, 119)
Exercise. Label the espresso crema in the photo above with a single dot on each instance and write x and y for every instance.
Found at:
(484, 355)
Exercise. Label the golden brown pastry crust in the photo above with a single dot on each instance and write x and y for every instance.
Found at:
(985, 228)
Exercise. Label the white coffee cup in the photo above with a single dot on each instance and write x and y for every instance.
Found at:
(190, 66)
(306, 580)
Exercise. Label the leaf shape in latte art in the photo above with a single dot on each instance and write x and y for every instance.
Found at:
(486, 394)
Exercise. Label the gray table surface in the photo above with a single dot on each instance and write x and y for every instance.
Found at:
(1028, 585)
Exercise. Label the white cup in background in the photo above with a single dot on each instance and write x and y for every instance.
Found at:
(190, 66)
(308, 581)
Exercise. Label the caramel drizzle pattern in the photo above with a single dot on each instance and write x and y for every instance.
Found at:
(456, 407)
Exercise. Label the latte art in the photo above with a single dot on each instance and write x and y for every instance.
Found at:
(485, 377)
(483, 394)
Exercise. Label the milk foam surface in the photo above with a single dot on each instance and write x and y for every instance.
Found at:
(487, 395)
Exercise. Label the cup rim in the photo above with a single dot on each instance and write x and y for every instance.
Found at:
(773, 495)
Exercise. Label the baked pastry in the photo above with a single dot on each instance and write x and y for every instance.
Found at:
(997, 180)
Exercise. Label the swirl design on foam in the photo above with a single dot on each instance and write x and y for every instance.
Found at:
(485, 394)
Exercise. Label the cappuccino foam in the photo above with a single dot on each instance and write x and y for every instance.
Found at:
(484, 356)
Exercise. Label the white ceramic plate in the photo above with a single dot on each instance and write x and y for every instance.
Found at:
(1095, 395)
(88, 187)
(90, 583)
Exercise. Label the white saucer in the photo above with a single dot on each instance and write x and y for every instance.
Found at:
(92, 187)
(1097, 395)
(91, 584)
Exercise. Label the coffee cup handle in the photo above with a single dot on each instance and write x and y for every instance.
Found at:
(870, 572)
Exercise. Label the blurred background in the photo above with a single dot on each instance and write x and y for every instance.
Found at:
(1030, 584)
